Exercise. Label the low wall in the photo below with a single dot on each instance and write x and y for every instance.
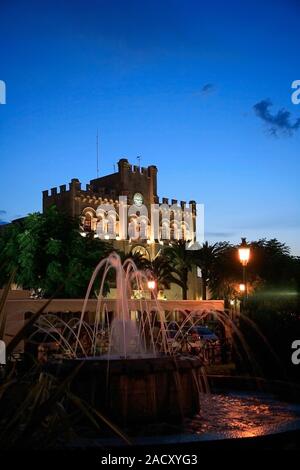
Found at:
(17, 308)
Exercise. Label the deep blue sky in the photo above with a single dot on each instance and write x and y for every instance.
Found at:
(174, 81)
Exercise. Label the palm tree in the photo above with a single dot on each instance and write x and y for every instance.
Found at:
(160, 269)
(207, 258)
(180, 261)
(141, 262)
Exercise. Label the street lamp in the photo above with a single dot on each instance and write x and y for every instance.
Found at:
(244, 254)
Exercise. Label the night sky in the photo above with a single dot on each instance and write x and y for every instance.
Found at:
(194, 87)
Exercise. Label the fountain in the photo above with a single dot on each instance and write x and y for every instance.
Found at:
(129, 369)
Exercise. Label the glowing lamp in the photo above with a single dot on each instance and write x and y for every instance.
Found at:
(244, 252)
(151, 285)
(242, 287)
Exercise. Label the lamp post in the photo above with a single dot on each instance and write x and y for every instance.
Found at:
(244, 255)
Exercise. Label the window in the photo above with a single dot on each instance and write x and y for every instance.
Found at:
(87, 225)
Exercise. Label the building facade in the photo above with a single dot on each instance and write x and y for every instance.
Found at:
(124, 208)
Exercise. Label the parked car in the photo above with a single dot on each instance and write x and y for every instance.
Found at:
(206, 334)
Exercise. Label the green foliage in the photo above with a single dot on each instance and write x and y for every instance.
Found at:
(271, 268)
(47, 250)
(277, 316)
(38, 411)
(8, 251)
(181, 261)
(272, 261)
(208, 258)
(160, 268)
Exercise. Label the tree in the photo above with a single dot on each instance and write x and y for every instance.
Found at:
(272, 261)
(8, 251)
(83, 256)
(181, 262)
(270, 268)
(225, 274)
(160, 269)
(139, 259)
(207, 259)
(48, 252)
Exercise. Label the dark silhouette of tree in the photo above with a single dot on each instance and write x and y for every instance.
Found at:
(181, 262)
(207, 259)
(272, 261)
(160, 269)
(271, 268)
(8, 251)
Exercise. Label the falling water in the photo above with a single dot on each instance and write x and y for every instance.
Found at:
(123, 336)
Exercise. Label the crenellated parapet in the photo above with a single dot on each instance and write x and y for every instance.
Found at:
(171, 217)
(175, 203)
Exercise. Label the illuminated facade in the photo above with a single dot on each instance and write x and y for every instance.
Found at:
(124, 209)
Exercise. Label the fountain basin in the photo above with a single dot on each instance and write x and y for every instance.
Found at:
(138, 390)
(231, 421)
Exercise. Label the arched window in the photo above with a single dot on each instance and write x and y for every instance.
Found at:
(88, 219)
(143, 229)
(111, 225)
(100, 228)
(165, 231)
(133, 230)
(176, 232)
(87, 224)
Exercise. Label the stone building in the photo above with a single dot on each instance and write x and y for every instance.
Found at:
(124, 208)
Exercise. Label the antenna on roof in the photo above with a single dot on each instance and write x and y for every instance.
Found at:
(97, 153)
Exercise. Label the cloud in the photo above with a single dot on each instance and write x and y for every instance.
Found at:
(269, 222)
(278, 123)
(2, 212)
(219, 234)
(207, 89)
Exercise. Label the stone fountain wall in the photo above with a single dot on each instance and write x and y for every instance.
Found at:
(137, 391)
